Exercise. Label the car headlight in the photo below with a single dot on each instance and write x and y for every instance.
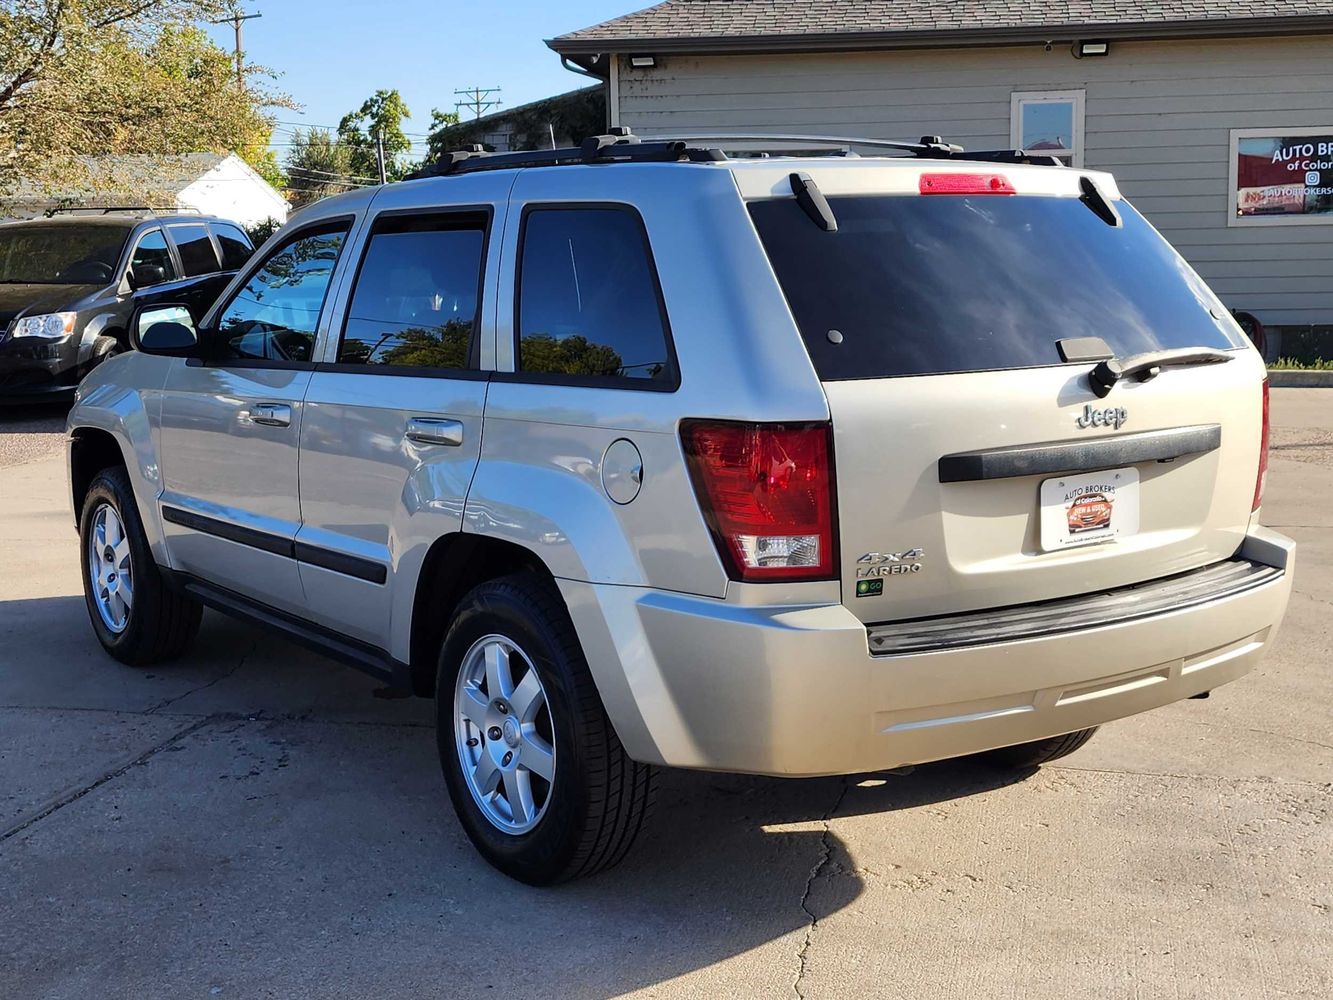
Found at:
(48, 326)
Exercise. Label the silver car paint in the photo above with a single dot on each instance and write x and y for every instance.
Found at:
(694, 670)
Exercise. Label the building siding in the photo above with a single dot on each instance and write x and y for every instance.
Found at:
(1157, 114)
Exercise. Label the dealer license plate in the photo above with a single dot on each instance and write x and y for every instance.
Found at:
(1088, 508)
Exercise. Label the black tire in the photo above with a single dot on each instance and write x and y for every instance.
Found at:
(1039, 752)
(598, 799)
(162, 622)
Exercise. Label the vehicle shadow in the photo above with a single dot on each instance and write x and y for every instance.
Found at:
(373, 862)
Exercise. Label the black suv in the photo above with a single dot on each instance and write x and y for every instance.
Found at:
(69, 284)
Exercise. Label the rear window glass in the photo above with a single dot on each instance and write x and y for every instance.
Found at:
(588, 299)
(926, 285)
(195, 249)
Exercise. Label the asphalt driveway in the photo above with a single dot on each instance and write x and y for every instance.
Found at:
(256, 821)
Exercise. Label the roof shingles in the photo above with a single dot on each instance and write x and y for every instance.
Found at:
(757, 19)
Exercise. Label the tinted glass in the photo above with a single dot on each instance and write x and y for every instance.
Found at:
(196, 250)
(588, 298)
(274, 316)
(152, 252)
(920, 285)
(415, 302)
(60, 253)
(236, 249)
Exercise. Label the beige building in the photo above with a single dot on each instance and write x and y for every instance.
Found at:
(1215, 115)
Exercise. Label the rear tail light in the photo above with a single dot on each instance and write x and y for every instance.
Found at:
(766, 491)
(1262, 476)
(966, 184)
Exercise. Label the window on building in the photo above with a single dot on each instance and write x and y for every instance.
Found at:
(236, 248)
(152, 252)
(417, 295)
(1281, 177)
(589, 304)
(274, 316)
(196, 250)
(1048, 122)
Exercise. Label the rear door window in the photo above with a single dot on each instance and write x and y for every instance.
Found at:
(913, 285)
(589, 307)
(196, 250)
(236, 248)
(418, 293)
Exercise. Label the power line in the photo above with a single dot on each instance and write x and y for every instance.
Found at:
(477, 100)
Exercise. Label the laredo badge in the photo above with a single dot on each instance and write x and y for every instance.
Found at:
(872, 567)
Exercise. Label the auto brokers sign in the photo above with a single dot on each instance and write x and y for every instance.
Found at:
(1281, 177)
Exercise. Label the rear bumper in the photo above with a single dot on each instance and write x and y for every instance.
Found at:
(699, 683)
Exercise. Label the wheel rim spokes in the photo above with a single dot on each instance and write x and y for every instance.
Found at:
(504, 734)
(110, 569)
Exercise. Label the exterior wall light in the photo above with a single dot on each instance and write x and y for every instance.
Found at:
(1091, 49)
(643, 61)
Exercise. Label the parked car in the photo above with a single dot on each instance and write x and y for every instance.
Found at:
(639, 454)
(68, 285)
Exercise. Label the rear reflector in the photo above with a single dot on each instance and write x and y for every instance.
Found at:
(766, 491)
(1262, 478)
(966, 184)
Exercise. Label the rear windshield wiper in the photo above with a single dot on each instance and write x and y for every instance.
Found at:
(1149, 365)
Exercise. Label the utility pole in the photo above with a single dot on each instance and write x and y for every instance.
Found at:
(477, 100)
(379, 156)
(236, 21)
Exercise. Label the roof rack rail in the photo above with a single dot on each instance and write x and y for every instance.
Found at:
(114, 209)
(928, 145)
(620, 145)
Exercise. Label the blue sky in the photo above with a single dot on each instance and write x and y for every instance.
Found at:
(333, 54)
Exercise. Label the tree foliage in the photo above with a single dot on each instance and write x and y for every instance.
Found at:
(573, 117)
(81, 78)
(383, 113)
(318, 165)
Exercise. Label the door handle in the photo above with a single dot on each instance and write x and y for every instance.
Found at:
(427, 430)
(271, 414)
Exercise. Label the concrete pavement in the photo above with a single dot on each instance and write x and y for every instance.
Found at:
(255, 822)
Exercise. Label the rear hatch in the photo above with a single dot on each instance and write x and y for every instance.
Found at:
(975, 466)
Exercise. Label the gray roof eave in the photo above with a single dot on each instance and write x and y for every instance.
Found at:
(843, 41)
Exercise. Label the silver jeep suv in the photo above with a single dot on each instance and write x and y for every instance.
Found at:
(652, 453)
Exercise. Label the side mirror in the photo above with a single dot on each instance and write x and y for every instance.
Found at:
(146, 275)
(167, 330)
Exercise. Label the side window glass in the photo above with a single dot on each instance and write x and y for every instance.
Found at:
(417, 294)
(196, 250)
(236, 248)
(274, 316)
(588, 298)
(152, 252)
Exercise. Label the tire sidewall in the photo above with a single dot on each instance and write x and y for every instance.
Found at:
(541, 854)
(110, 488)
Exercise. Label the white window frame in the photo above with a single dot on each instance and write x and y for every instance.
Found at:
(1020, 97)
(1233, 179)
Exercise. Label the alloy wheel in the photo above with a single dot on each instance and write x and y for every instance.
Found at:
(504, 734)
(110, 570)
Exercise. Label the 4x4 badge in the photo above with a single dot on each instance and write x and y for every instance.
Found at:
(873, 565)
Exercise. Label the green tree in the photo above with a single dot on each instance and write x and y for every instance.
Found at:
(319, 165)
(573, 355)
(113, 78)
(381, 114)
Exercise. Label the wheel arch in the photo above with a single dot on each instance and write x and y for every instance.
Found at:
(454, 564)
(91, 449)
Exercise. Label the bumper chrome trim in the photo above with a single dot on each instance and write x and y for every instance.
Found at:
(1089, 611)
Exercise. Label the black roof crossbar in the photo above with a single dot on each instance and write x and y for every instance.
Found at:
(620, 145)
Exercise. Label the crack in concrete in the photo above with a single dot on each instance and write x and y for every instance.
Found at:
(68, 798)
(1225, 779)
(203, 687)
(825, 854)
